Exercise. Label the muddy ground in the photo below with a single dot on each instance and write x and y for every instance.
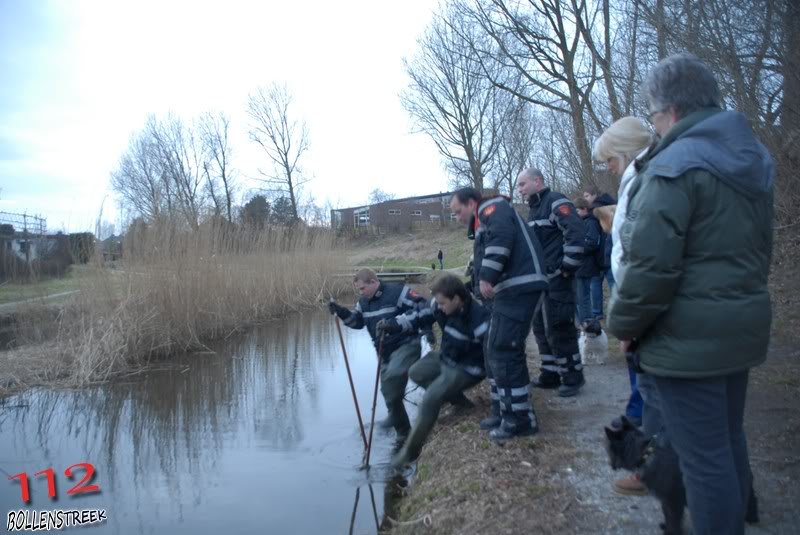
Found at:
(559, 481)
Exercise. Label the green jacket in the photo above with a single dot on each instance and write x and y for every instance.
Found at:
(697, 242)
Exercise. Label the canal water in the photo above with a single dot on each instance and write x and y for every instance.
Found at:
(258, 435)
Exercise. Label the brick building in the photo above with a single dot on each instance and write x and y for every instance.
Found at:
(395, 215)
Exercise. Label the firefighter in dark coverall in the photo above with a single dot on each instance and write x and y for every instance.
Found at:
(458, 364)
(381, 300)
(560, 231)
(509, 269)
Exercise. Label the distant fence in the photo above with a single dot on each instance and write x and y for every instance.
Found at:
(30, 224)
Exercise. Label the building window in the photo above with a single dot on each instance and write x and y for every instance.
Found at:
(394, 211)
(361, 218)
(416, 212)
(434, 217)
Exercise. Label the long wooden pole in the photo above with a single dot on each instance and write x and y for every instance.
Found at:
(352, 386)
(374, 400)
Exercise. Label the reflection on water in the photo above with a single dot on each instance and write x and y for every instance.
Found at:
(259, 436)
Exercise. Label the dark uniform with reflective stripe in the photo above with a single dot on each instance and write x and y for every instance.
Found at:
(560, 231)
(445, 374)
(508, 256)
(400, 350)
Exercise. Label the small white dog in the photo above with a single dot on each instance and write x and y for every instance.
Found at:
(593, 343)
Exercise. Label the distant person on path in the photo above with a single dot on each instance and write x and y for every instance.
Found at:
(440, 256)
(381, 300)
(693, 298)
(508, 269)
(457, 366)
(560, 231)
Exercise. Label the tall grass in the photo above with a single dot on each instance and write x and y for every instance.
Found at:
(177, 289)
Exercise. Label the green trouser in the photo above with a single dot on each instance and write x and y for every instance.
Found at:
(394, 378)
(442, 382)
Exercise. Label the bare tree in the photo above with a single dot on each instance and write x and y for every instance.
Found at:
(516, 147)
(283, 138)
(540, 41)
(747, 43)
(451, 99)
(378, 195)
(138, 177)
(181, 154)
(214, 131)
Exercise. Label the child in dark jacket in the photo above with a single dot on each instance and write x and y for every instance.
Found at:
(592, 266)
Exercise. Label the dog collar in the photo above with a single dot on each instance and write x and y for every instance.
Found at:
(648, 452)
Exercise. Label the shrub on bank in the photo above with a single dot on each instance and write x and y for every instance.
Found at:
(179, 288)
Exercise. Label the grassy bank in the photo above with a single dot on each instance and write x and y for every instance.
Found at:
(412, 250)
(11, 292)
(176, 290)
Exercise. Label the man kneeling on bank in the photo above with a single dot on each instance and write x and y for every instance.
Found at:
(456, 367)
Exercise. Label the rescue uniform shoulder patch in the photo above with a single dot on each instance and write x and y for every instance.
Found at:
(564, 209)
(489, 210)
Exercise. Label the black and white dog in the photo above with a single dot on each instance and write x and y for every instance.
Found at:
(593, 343)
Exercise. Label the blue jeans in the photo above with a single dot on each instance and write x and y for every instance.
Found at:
(584, 300)
(652, 422)
(635, 402)
(703, 420)
(597, 296)
(610, 279)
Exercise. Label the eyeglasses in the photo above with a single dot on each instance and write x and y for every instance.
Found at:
(650, 116)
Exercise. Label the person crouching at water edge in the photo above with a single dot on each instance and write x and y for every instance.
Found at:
(398, 351)
(456, 367)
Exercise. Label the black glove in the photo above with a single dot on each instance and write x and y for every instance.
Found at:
(632, 357)
(388, 326)
(338, 309)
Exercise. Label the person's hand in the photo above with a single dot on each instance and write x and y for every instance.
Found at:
(625, 346)
(487, 290)
(338, 309)
(388, 326)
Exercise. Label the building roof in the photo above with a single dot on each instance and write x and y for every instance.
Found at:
(404, 199)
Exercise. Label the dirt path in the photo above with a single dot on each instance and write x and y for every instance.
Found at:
(560, 481)
(10, 308)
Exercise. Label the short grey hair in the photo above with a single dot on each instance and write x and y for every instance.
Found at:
(681, 82)
(532, 172)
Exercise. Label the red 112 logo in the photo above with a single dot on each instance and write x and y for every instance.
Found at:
(80, 488)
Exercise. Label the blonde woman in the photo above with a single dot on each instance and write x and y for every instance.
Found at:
(619, 146)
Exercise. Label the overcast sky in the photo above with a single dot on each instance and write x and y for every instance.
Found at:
(78, 77)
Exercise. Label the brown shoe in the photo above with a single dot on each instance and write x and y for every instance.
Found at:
(630, 486)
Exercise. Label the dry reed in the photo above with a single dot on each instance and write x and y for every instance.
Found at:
(176, 290)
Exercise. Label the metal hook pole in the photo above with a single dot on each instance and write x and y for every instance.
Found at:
(352, 386)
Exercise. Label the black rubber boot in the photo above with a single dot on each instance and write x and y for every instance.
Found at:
(571, 384)
(386, 423)
(508, 431)
(493, 420)
(547, 380)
